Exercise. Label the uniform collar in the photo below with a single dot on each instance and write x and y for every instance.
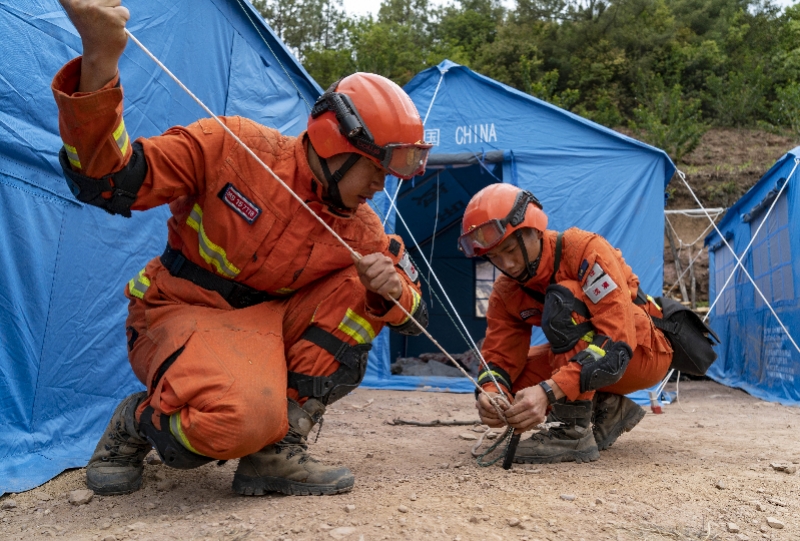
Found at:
(542, 277)
(309, 188)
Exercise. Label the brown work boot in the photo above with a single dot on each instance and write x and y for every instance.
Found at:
(118, 460)
(286, 466)
(572, 441)
(613, 415)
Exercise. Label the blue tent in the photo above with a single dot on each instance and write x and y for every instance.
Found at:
(756, 354)
(63, 266)
(586, 176)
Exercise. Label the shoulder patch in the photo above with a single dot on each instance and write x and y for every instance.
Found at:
(394, 247)
(239, 203)
(598, 284)
(582, 270)
(525, 314)
(408, 267)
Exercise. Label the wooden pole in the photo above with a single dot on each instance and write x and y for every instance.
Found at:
(676, 261)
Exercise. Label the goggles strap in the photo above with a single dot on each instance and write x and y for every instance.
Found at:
(334, 195)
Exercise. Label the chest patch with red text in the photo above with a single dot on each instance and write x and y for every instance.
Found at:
(239, 203)
(598, 284)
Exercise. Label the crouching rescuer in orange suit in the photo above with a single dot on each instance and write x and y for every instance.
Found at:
(602, 341)
(254, 318)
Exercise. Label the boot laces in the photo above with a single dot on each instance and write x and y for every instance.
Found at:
(295, 444)
(120, 437)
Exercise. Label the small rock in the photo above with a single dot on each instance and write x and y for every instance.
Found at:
(778, 466)
(721, 485)
(444, 465)
(45, 497)
(8, 504)
(166, 484)
(349, 508)
(599, 501)
(153, 459)
(467, 436)
(473, 519)
(742, 537)
(324, 527)
(105, 525)
(80, 497)
(513, 522)
(342, 532)
(761, 507)
(491, 435)
(458, 464)
(733, 528)
(150, 505)
(110, 538)
(479, 428)
(413, 497)
(568, 497)
(612, 491)
(773, 522)
(776, 501)
(370, 455)
(160, 475)
(790, 469)
(403, 509)
(760, 490)
(764, 528)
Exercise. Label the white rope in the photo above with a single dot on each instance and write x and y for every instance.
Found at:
(435, 226)
(698, 239)
(472, 343)
(435, 92)
(392, 201)
(696, 213)
(739, 263)
(318, 218)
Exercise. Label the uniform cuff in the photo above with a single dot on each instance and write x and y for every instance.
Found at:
(83, 107)
(569, 379)
(387, 311)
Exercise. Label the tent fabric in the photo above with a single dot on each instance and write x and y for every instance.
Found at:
(756, 355)
(63, 265)
(586, 176)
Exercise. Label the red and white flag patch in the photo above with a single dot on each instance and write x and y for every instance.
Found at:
(598, 284)
(239, 203)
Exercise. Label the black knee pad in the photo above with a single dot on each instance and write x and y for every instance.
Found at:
(601, 367)
(171, 451)
(557, 323)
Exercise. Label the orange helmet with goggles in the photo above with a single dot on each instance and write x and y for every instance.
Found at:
(369, 115)
(494, 213)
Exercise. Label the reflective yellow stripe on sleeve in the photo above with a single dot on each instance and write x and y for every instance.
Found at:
(72, 155)
(138, 286)
(176, 430)
(211, 253)
(414, 305)
(357, 328)
(121, 137)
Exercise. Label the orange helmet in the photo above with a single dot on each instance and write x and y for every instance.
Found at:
(369, 115)
(496, 212)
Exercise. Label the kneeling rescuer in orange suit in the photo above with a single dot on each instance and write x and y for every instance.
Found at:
(255, 317)
(579, 290)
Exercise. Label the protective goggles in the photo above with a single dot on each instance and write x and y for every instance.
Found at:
(403, 160)
(482, 238)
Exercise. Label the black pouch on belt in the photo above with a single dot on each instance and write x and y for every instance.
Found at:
(691, 339)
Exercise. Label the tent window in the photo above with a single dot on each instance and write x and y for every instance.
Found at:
(724, 263)
(485, 275)
(772, 258)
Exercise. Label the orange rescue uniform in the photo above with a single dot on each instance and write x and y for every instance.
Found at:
(512, 313)
(225, 390)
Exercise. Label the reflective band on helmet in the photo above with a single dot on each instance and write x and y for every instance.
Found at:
(406, 160)
(481, 239)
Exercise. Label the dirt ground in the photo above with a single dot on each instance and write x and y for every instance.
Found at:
(681, 475)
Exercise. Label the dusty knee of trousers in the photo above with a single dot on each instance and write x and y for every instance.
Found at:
(252, 422)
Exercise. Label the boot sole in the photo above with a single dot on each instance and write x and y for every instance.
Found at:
(114, 490)
(578, 457)
(626, 425)
(259, 486)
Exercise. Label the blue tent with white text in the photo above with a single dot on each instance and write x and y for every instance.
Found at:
(759, 352)
(483, 131)
(63, 266)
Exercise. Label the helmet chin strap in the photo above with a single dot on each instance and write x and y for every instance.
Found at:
(530, 267)
(334, 196)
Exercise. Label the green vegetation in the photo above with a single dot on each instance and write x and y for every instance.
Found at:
(668, 69)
